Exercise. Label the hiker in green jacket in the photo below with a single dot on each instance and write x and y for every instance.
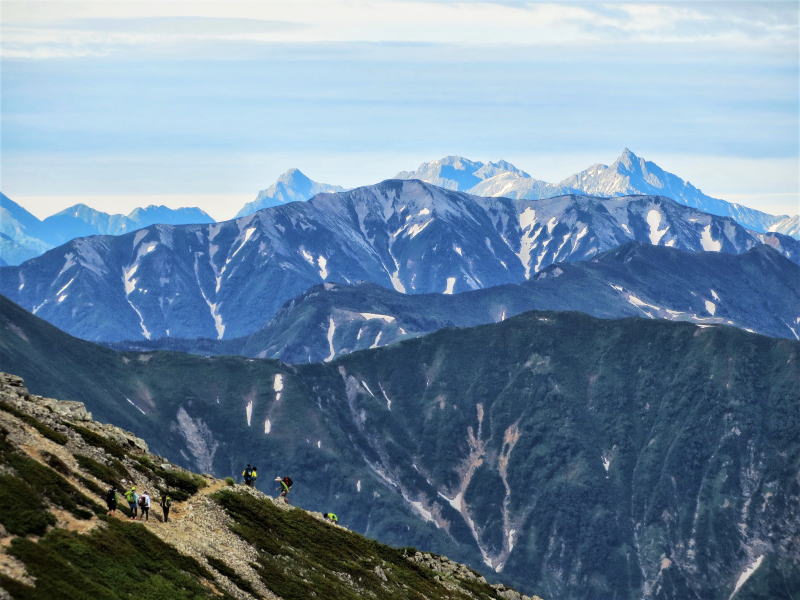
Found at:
(166, 503)
(111, 500)
(331, 517)
(132, 497)
(286, 486)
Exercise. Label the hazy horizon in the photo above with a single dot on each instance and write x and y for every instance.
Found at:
(121, 104)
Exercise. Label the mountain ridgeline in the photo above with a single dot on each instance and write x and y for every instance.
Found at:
(758, 291)
(24, 236)
(629, 174)
(574, 457)
(221, 541)
(226, 280)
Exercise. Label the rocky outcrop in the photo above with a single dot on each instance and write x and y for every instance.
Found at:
(447, 570)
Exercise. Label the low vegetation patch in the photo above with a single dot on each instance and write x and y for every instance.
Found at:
(121, 561)
(181, 485)
(235, 578)
(301, 557)
(100, 441)
(21, 508)
(45, 484)
(111, 474)
(56, 463)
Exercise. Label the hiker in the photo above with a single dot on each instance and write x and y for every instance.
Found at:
(132, 497)
(166, 502)
(286, 485)
(144, 505)
(253, 476)
(111, 500)
(331, 517)
(248, 475)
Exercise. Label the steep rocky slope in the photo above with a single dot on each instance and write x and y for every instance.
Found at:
(758, 291)
(571, 456)
(221, 541)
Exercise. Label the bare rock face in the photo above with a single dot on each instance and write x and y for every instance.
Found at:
(13, 388)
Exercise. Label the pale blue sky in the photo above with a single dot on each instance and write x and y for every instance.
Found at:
(123, 103)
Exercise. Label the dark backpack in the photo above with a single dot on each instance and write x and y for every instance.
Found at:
(142, 501)
(287, 481)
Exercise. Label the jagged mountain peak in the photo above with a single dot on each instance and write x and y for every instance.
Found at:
(291, 186)
(627, 157)
(459, 173)
(293, 175)
(18, 213)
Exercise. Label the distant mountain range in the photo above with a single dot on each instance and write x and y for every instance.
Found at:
(629, 174)
(576, 457)
(22, 236)
(227, 280)
(758, 291)
(81, 221)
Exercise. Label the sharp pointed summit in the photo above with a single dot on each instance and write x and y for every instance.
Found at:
(291, 186)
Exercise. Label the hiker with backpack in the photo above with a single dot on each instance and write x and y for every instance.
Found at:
(132, 497)
(286, 485)
(247, 474)
(331, 517)
(166, 502)
(111, 500)
(144, 505)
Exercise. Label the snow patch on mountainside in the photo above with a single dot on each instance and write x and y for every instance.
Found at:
(746, 574)
(386, 318)
(306, 255)
(64, 287)
(248, 233)
(248, 409)
(451, 282)
(708, 242)
(417, 228)
(377, 340)
(277, 386)
(654, 218)
(129, 284)
(322, 263)
(331, 332)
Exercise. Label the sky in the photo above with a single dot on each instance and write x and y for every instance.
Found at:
(119, 104)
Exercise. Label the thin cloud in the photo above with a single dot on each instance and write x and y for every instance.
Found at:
(114, 28)
(178, 25)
